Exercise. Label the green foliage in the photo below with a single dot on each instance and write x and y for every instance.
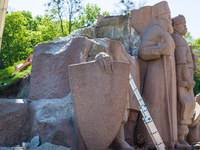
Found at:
(22, 32)
(196, 45)
(15, 43)
(60, 8)
(7, 78)
(56, 9)
(89, 16)
(188, 38)
(105, 13)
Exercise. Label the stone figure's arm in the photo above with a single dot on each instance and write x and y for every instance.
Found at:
(152, 48)
(105, 62)
(183, 75)
(194, 57)
(85, 52)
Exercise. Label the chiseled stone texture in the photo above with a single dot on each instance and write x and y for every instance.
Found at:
(49, 146)
(45, 146)
(51, 120)
(119, 28)
(49, 74)
(104, 96)
(15, 123)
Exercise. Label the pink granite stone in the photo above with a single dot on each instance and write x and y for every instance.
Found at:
(15, 122)
(49, 74)
(99, 101)
(159, 90)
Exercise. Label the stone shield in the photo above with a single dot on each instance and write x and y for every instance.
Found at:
(99, 101)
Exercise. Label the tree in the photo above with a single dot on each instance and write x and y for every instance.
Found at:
(59, 8)
(48, 29)
(73, 6)
(15, 39)
(125, 6)
(22, 32)
(188, 37)
(89, 16)
(56, 8)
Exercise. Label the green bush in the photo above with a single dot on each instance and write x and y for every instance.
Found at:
(6, 77)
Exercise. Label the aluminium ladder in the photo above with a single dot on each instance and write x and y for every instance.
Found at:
(147, 118)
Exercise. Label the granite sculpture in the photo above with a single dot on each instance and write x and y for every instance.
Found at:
(99, 111)
(116, 52)
(157, 50)
(185, 82)
(105, 114)
(194, 128)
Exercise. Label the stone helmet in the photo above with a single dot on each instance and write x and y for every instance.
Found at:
(160, 9)
(180, 19)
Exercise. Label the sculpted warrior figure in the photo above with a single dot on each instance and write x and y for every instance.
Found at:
(116, 52)
(159, 91)
(132, 109)
(185, 82)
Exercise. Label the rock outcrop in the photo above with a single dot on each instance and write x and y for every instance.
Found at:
(51, 120)
(15, 123)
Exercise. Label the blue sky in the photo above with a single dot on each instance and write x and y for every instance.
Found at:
(189, 8)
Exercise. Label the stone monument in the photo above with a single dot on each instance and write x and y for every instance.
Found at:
(90, 104)
(157, 49)
(185, 83)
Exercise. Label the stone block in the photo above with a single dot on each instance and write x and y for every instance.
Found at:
(49, 74)
(15, 123)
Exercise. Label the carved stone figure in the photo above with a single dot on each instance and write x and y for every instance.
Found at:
(194, 128)
(118, 28)
(185, 82)
(114, 51)
(159, 91)
(99, 101)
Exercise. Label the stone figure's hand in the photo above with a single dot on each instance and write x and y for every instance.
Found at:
(191, 84)
(105, 62)
(162, 46)
(182, 83)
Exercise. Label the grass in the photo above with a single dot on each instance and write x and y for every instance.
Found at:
(6, 77)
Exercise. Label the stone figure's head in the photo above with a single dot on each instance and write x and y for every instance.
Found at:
(179, 25)
(162, 16)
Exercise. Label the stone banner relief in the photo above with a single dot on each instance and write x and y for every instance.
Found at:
(79, 93)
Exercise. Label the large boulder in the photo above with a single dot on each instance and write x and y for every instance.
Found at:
(49, 74)
(51, 120)
(15, 122)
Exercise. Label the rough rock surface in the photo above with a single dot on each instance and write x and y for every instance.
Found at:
(52, 122)
(49, 74)
(23, 89)
(10, 91)
(15, 123)
(119, 28)
(18, 89)
(35, 141)
(45, 146)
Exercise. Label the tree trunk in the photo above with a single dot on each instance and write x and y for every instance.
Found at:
(70, 23)
(61, 25)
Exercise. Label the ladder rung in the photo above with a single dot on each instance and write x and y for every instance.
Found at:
(147, 118)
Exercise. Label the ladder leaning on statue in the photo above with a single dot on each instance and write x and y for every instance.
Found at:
(147, 118)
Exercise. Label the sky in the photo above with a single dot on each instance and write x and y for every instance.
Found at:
(189, 8)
